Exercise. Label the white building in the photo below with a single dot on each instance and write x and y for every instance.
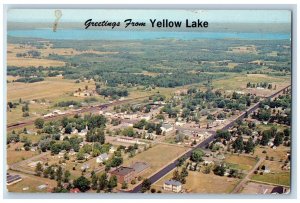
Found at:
(166, 127)
(173, 185)
(101, 158)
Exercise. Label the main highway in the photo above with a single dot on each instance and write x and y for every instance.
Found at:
(203, 144)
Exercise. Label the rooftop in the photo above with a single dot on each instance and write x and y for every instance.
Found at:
(173, 182)
(139, 166)
(122, 171)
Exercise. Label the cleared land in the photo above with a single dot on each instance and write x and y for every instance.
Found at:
(30, 183)
(197, 182)
(240, 162)
(276, 175)
(157, 156)
(239, 83)
(14, 156)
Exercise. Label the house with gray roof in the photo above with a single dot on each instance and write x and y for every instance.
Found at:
(173, 185)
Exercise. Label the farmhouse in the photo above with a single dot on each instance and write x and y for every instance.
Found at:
(173, 185)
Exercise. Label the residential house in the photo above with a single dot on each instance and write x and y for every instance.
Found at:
(101, 158)
(166, 127)
(173, 185)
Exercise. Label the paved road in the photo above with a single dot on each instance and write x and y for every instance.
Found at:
(173, 165)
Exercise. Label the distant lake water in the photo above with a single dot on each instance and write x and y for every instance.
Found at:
(69, 34)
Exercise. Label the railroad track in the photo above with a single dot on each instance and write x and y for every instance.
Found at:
(83, 110)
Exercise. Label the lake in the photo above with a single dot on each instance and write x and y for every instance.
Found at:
(68, 34)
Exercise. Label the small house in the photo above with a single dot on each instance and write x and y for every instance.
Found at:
(101, 158)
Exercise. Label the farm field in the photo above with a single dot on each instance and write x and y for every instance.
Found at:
(239, 82)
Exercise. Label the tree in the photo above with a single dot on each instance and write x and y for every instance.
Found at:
(68, 129)
(176, 175)
(39, 123)
(184, 173)
(94, 181)
(82, 183)
(249, 147)
(113, 182)
(124, 185)
(96, 135)
(146, 185)
(238, 144)
(265, 137)
(219, 170)
(278, 139)
(67, 176)
(59, 174)
(196, 155)
(103, 181)
(39, 169)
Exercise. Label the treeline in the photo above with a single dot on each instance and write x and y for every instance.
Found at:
(29, 80)
(68, 103)
(112, 92)
(39, 71)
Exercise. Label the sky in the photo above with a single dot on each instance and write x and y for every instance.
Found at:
(81, 15)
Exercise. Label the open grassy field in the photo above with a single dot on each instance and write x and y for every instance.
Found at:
(31, 182)
(278, 153)
(276, 178)
(53, 89)
(156, 157)
(276, 175)
(13, 60)
(197, 182)
(239, 82)
(263, 127)
(14, 156)
(240, 162)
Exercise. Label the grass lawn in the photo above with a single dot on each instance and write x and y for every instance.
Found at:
(278, 153)
(276, 178)
(16, 156)
(197, 182)
(240, 81)
(240, 162)
(32, 182)
(263, 127)
(276, 175)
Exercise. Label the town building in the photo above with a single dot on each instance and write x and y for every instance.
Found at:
(166, 127)
(173, 185)
(123, 174)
